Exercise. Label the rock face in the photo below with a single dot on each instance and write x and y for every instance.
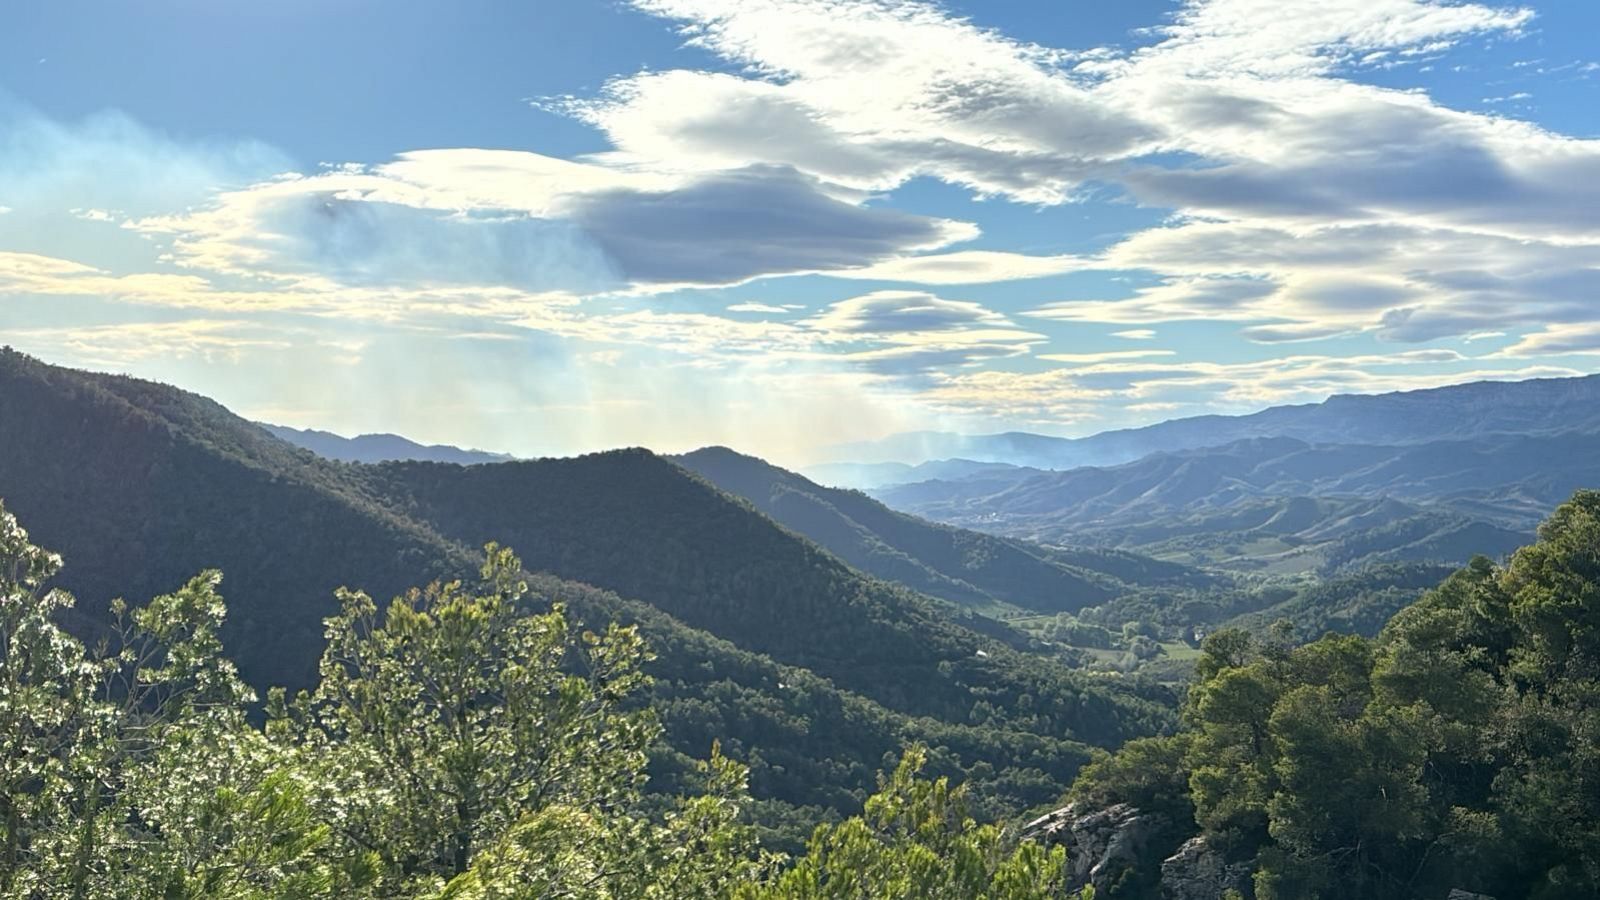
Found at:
(1102, 844)
(1459, 894)
(1199, 871)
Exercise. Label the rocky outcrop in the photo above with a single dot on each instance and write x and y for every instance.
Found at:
(1459, 894)
(1103, 845)
(1199, 871)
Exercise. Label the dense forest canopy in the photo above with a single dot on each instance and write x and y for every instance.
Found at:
(1460, 748)
(809, 673)
(471, 739)
(726, 708)
(463, 742)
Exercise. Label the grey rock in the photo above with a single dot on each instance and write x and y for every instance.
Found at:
(1459, 894)
(1198, 871)
(1101, 844)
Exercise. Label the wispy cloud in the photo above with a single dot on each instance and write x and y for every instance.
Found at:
(1299, 202)
(1105, 356)
(1079, 394)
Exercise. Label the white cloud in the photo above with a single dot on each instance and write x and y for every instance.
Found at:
(1106, 356)
(1304, 204)
(947, 99)
(95, 215)
(1190, 298)
(535, 223)
(891, 312)
(913, 332)
(1095, 392)
(124, 344)
(1285, 148)
(966, 267)
(1328, 206)
(1555, 340)
(1260, 38)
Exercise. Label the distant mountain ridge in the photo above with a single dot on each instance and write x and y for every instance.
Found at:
(1455, 412)
(376, 448)
(865, 476)
(966, 567)
(1278, 497)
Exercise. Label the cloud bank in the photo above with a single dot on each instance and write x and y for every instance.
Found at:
(1301, 203)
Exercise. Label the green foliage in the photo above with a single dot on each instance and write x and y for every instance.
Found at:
(954, 564)
(1459, 748)
(129, 770)
(1147, 773)
(1066, 629)
(811, 674)
(916, 840)
(471, 709)
(468, 743)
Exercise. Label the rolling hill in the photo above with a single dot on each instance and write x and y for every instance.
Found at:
(959, 565)
(1281, 503)
(805, 668)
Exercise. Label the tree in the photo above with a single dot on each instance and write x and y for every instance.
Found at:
(467, 745)
(131, 771)
(463, 714)
(915, 840)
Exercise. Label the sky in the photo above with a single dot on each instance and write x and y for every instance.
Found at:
(549, 228)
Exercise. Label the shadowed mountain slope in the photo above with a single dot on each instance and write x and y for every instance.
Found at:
(955, 564)
(140, 486)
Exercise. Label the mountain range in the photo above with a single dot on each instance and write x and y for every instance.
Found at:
(963, 566)
(1432, 475)
(1458, 412)
(1435, 475)
(813, 630)
(808, 670)
(1281, 503)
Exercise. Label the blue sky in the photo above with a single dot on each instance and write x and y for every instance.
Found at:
(549, 228)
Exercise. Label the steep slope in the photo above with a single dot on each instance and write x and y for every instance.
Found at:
(140, 486)
(1345, 767)
(1458, 412)
(958, 565)
(632, 522)
(372, 448)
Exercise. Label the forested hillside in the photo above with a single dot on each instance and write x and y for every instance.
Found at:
(1430, 759)
(1427, 757)
(956, 564)
(1280, 504)
(632, 522)
(1456, 750)
(140, 486)
(467, 740)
